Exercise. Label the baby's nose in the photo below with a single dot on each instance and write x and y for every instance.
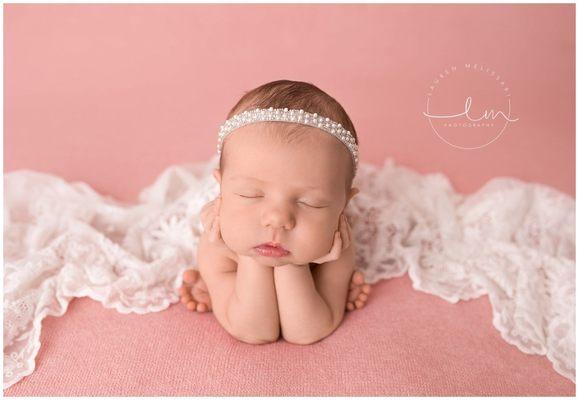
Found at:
(278, 219)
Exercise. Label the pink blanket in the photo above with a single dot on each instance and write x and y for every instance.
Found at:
(403, 342)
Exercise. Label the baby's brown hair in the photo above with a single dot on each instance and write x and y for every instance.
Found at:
(296, 95)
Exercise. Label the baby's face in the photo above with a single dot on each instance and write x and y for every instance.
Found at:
(292, 194)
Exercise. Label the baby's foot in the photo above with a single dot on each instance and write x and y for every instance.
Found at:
(359, 291)
(194, 293)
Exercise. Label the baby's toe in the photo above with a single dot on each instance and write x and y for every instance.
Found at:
(358, 278)
(354, 293)
(359, 303)
(350, 306)
(366, 289)
(202, 307)
(363, 297)
(186, 298)
(191, 305)
(190, 276)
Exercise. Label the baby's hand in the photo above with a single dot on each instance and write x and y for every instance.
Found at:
(210, 220)
(342, 239)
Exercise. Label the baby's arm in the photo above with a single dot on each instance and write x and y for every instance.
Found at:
(311, 304)
(242, 294)
(304, 315)
(253, 306)
(333, 279)
(243, 301)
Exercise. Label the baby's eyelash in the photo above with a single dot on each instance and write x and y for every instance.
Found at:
(310, 205)
(255, 197)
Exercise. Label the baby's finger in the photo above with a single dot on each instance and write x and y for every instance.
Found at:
(213, 235)
(218, 205)
(207, 221)
(344, 232)
(336, 244)
(334, 253)
(209, 212)
(204, 223)
(208, 207)
(206, 211)
(348, 230)
(337, 247)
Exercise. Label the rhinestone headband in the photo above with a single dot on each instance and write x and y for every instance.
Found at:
(295, 116)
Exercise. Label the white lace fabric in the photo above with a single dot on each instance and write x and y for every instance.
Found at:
(511, 240)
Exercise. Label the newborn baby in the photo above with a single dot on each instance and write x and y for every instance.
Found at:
(277, 255)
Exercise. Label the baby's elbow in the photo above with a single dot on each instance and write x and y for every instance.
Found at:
(255, 339)
(303, 341)
(311, 339)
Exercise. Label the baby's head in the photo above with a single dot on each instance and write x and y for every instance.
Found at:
(285, 182)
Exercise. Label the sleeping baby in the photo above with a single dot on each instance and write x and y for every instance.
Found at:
(276, 256)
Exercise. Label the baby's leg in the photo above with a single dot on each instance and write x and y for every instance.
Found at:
(253, 308)
(194, 293)
(358, 291)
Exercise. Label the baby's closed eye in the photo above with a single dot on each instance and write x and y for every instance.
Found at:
(307, 203)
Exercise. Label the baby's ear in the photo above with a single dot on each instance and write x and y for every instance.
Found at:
(217, 175)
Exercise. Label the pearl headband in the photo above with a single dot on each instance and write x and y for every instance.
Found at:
(295, 116)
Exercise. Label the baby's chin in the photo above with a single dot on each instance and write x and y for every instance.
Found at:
(277, 261)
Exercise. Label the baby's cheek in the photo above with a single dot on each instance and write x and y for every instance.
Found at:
(317, 242)
(232, 231)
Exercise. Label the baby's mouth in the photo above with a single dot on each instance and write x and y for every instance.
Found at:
(271, 250)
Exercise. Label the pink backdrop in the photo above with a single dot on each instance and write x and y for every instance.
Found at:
(113, 94)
